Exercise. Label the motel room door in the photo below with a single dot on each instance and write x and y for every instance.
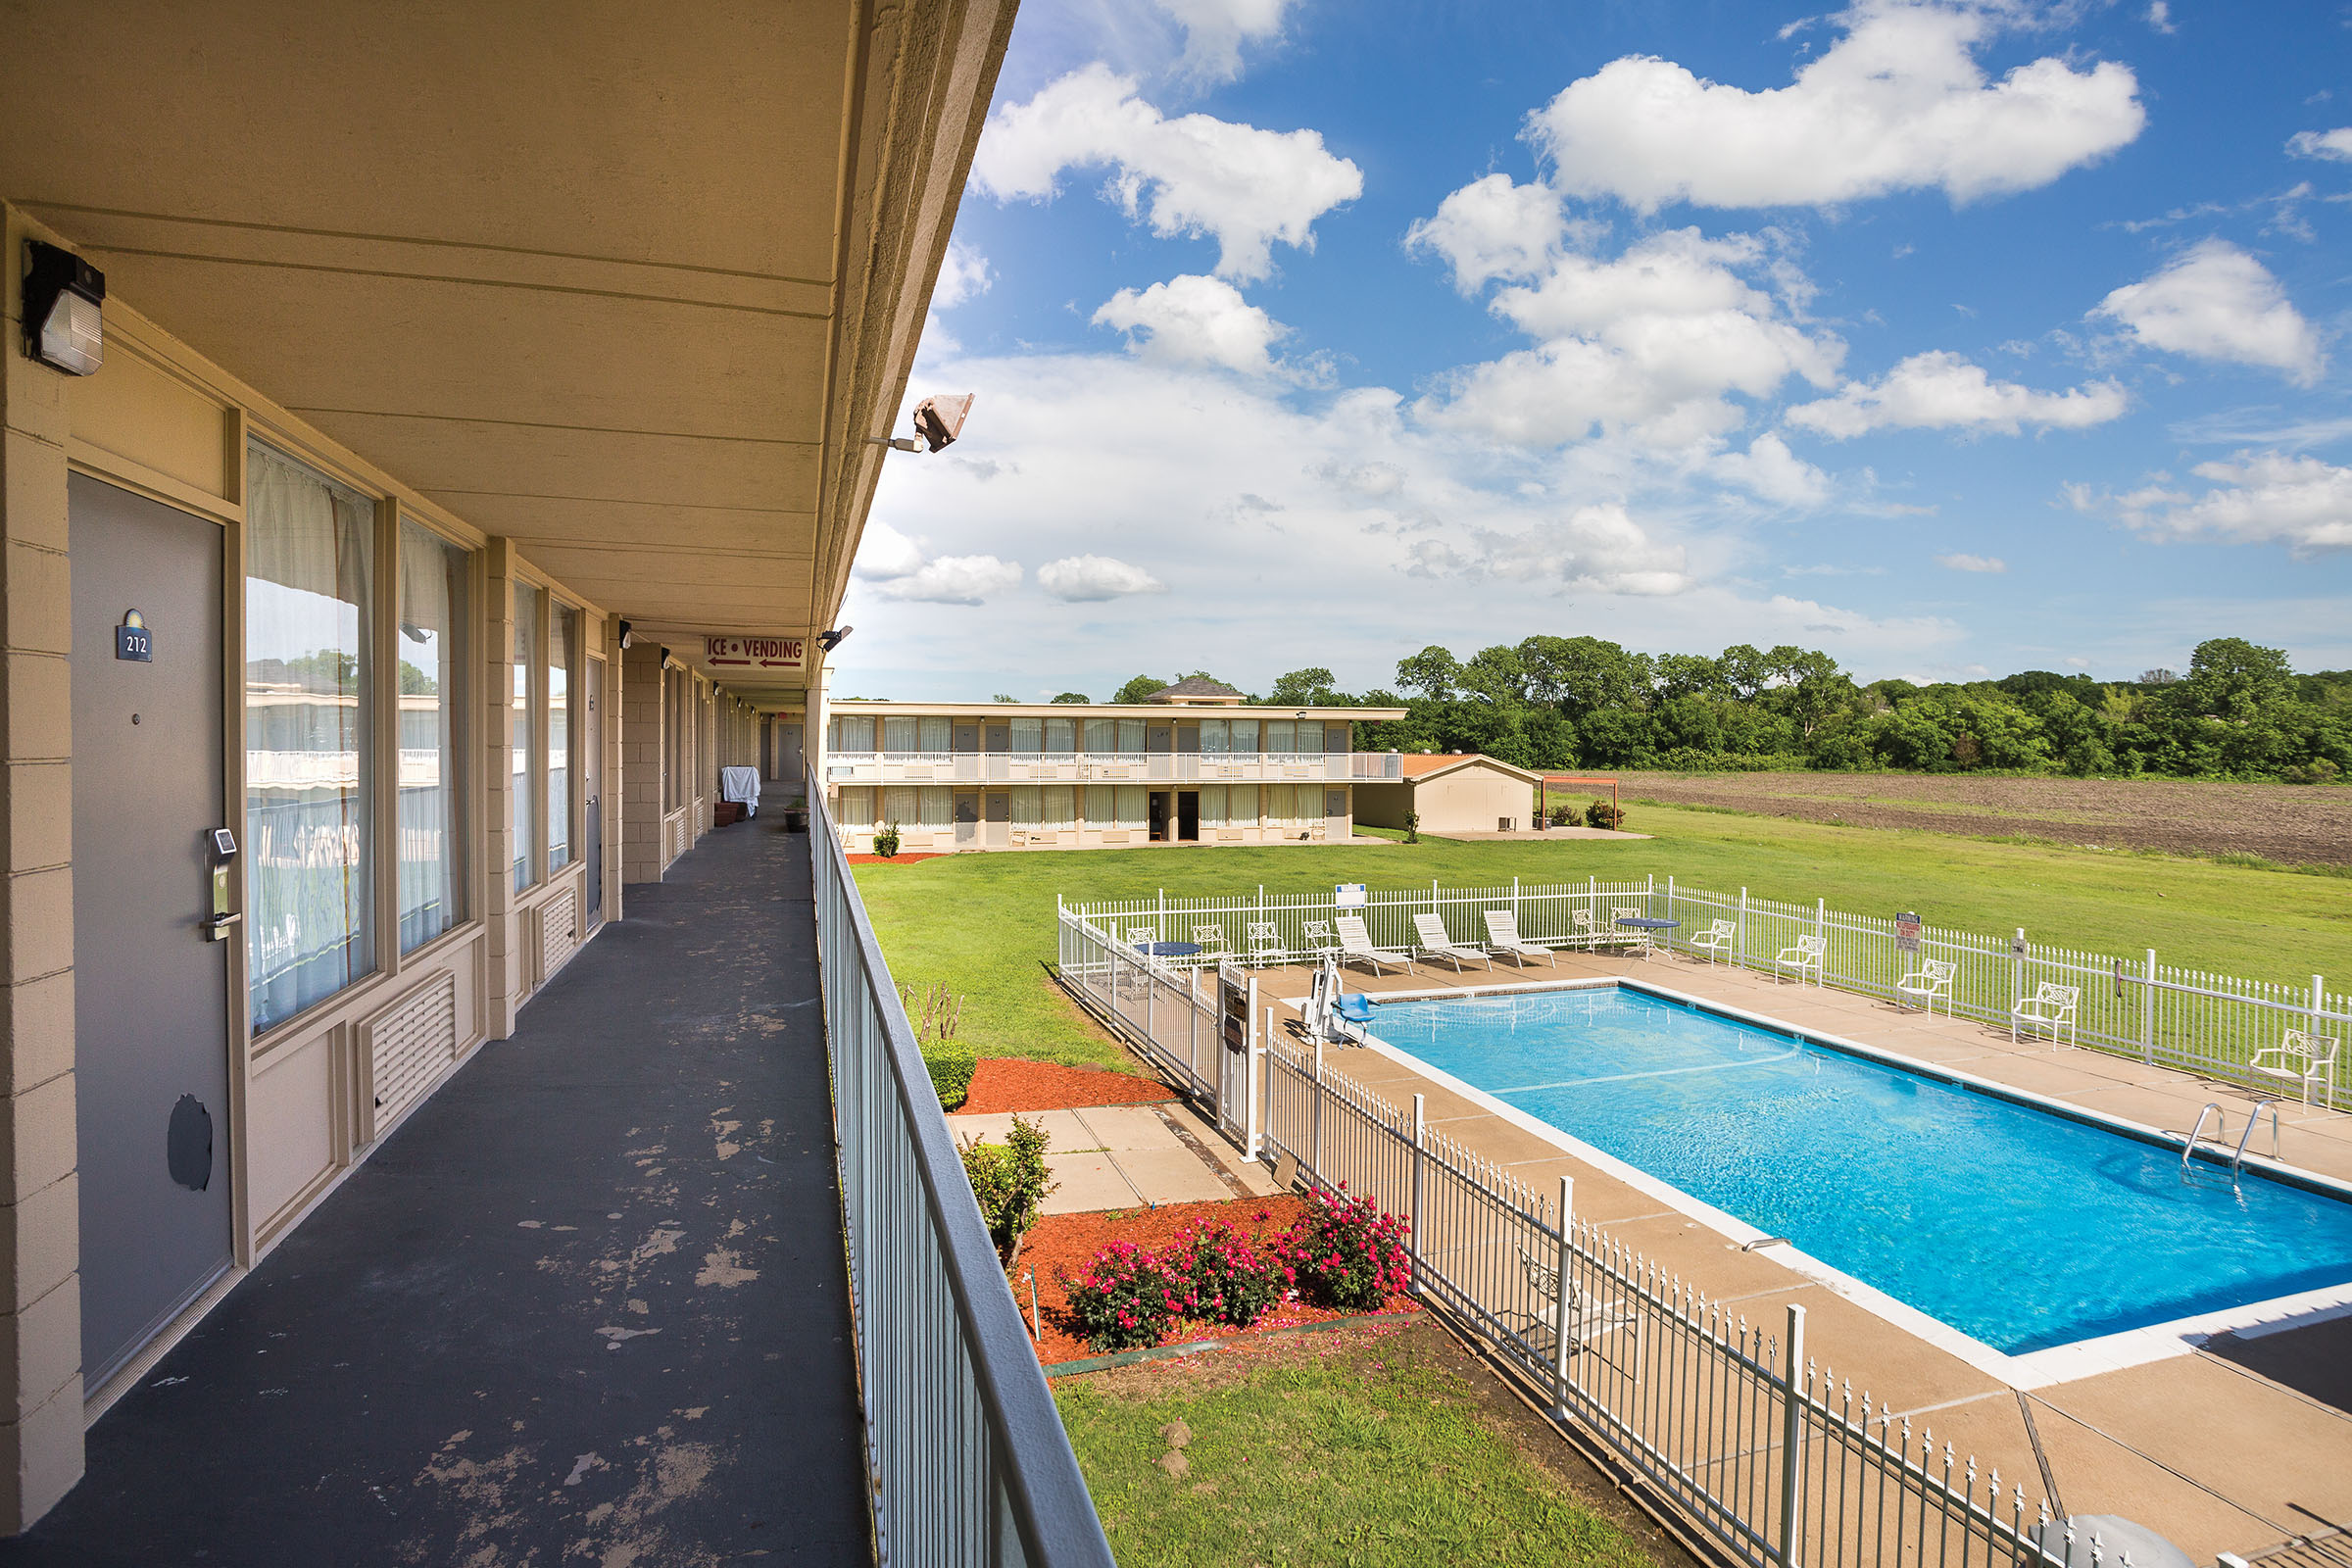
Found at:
(967, 820)
(149, 991)
(1188, 817)
(592, 768)
(999, 819)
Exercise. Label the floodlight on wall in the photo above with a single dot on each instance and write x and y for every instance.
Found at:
(624, 635)
(940, 421)
(65, 299)
(831, 640)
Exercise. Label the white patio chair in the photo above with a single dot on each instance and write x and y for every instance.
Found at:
(1265, 942)
(1932, 979)
(1806, 957)
(1355, 947)
(2053, 1005)
(1718, 937)
(1320, 942)
(1638, 936)
(2300, 1058)
(1211, 939)
(1431, 941)
(1142, 936)
(1587, 1319)
(1582, 932)
(1504, 938)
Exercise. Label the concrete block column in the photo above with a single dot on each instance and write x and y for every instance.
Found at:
(40, 1217)
(641, 763)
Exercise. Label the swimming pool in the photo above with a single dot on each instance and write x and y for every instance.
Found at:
(2019, 1227)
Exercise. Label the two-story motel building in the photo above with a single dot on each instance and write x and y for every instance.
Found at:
(1193, 763)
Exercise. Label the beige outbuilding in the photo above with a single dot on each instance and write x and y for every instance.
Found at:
(1454, 793)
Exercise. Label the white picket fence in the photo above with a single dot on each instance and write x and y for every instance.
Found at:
(2163, 1014)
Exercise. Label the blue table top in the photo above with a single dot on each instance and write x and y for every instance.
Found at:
(1645, 923)
(1168, 950)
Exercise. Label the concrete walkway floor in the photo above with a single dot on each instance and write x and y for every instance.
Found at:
(586, 1305)
(2238, 1443)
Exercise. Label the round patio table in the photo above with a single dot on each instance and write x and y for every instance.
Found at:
(1168, 950)
(1648, 925)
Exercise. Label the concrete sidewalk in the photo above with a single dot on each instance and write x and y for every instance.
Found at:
(1130, 1157)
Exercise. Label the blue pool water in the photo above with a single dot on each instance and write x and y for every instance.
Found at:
(2020, 1228)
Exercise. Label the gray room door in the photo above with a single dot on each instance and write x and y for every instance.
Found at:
(592, 768)
(150, 992)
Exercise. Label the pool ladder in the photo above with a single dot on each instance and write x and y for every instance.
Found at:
(2220, 1132)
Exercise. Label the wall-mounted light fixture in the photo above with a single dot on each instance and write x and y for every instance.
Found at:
(63, 309)
(625, 634)
(938, 421)
(831, 640)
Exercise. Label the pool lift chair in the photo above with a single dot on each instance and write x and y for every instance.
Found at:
(1718, 937)
(1931, 980)
(2051, 1006)
(1433, 941)
(2302, 1059)
(1584, 1321)
(1331, 1012)
(1806, 957)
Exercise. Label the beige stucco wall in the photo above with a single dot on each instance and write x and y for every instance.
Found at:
(1466, 800)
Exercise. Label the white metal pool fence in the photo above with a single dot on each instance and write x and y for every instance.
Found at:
(1703, 1406)
(2163, 1014)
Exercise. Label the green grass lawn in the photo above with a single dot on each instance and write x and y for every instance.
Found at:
(1367, 1456)
(984, 924)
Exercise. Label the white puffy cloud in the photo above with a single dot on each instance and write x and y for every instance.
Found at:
(1492, 228)
(1196, 320)
(1943, 391)
(954, 580)
(1898, 103)
(1965, 562)
(1214, 31)
(2215, 302)
(963, 274)
(1192, 176)
(883, 553)
(1770, 471)
(1086, 580)
(2333, 144)
(2253, 497)
(2160, 17)
(1648, 345)
(1597, 548)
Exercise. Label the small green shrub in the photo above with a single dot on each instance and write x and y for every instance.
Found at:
(2318, 770)
(951, 1068)
(1563, 816)
(1601, 813)
(886, 842)
(1010, 1180)
(935, 1011)
(1412, 827)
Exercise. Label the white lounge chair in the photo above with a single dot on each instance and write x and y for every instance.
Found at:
(1718, 937)
(2051, 1006)
(1586, 1320)
(1320, 942)
(1503, 938)
(1432, 942)
(1211, 939)
(2300, 1058)
(1931, 980)
(1265, 942)
(1806, 957)
(1355, 947)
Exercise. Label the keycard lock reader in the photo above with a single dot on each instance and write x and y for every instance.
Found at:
(224, 849)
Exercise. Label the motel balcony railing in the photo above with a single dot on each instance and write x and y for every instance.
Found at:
(1111, 767)
(969, 1460)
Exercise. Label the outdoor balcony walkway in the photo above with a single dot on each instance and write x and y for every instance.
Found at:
(587, 1305)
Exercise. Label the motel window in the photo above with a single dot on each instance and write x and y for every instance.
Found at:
(1245, 735)
(854, 733)
(897, 735)
(1101, 807)
(1101, 735)
(1216, 736)
(1131, 735)
(673, 718)
(1062, 736)
(900, 805)
(1213, 802)
(1061, 806)
(435, 600)
(1245, 805)
(1027, 809)
(1132, 803)
(931, 733)
(308, 689)
(938, 806)
(1028, 737)
(857, 807)
(1282, 736)
(519, 751)
(562, 650)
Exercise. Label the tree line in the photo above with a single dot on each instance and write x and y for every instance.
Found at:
(1555, 702)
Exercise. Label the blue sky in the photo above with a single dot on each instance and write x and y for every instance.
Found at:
(1950, 338)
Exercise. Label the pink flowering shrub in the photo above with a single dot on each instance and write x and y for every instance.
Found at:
(1128, 1298)
(1231, 1281)
(1346, 1254)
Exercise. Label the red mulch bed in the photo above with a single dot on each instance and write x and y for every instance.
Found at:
(1061, 1244)
(902, 858)
(1004, 1084)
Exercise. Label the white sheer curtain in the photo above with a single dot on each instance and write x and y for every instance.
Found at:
(434, 583)
(562, 624)
(1061, 806)
(308, 690)
(527, 632)
(898, 734)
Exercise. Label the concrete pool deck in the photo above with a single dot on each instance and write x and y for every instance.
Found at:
(2237, 1444)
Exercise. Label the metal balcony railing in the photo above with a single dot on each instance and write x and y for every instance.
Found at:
(1110, 768)
(969, 1461)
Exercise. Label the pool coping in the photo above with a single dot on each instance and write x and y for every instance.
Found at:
(2033, 1370)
